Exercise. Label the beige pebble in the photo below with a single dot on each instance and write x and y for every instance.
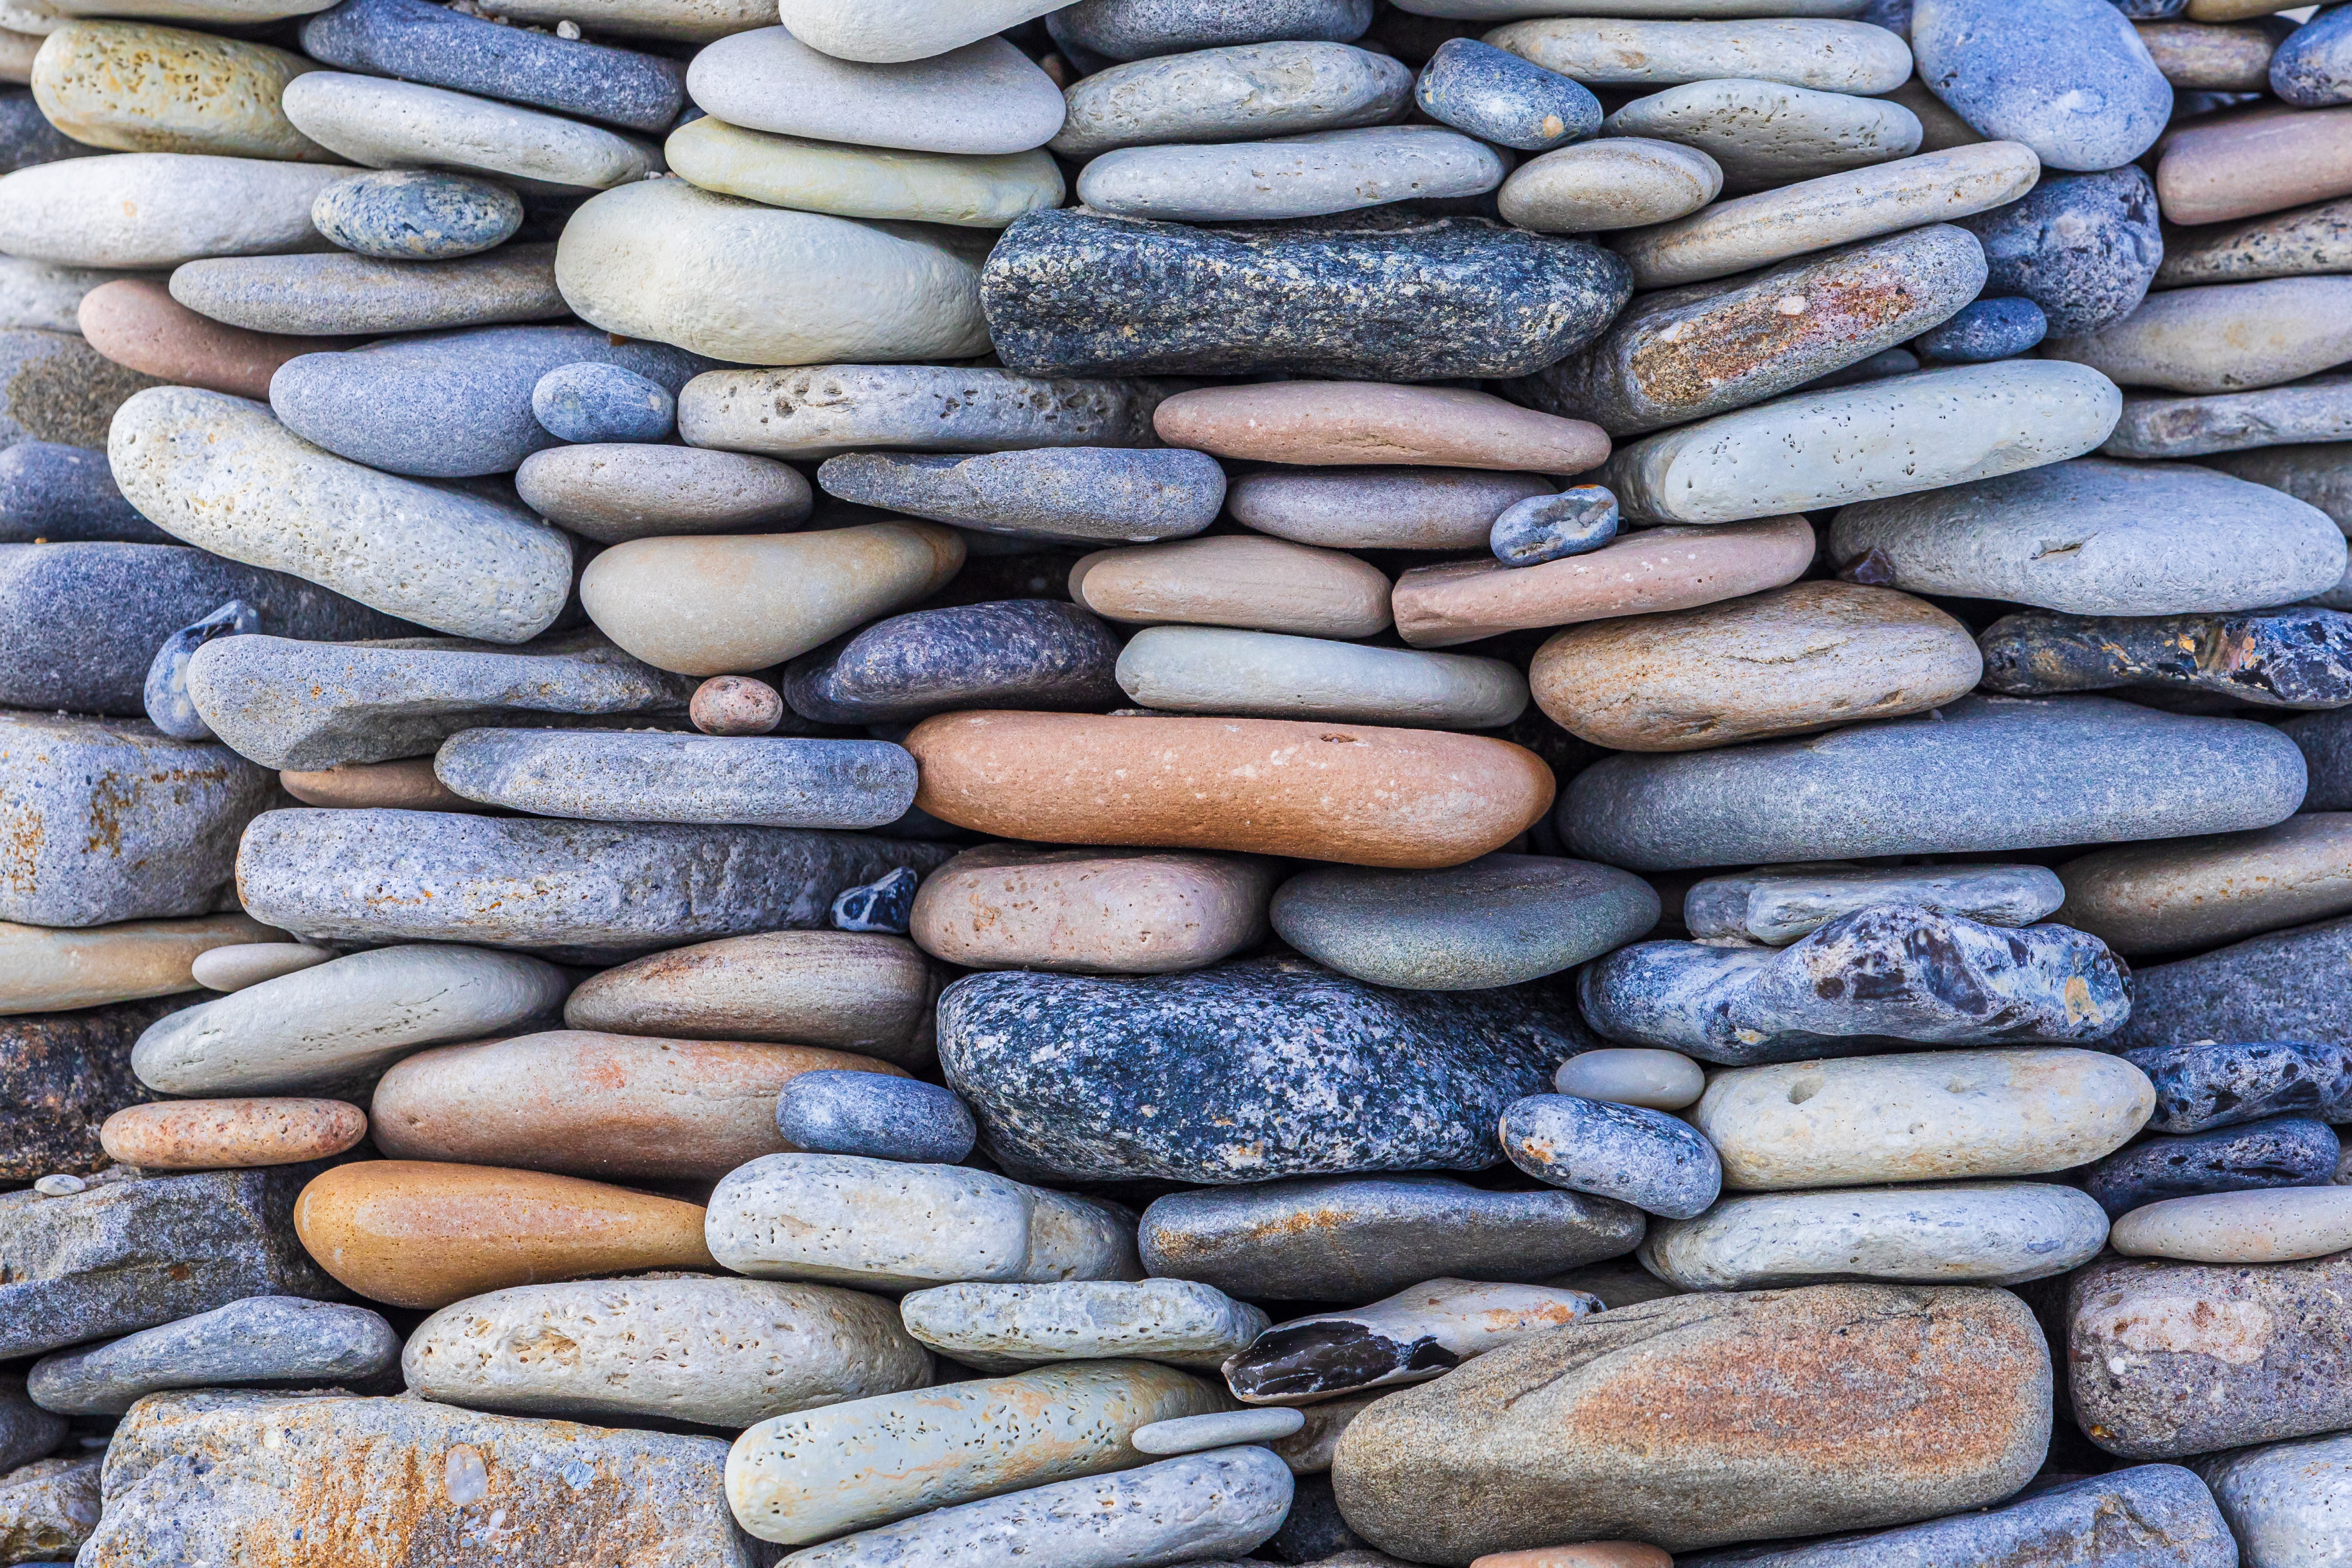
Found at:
(1829, 55)
(1764, 133)
(1236, 580)
(1342, 423)
(44, 969)
(2225, 337)
(230, 1135)
(244, 963)
(2230, 10)
(2183, 894)
(1583, 1554)
(850, 990)
(17, 51)
(2201, 57)
(1625, 182)
(408, 784)
(2239, 165)
(735, 705)
(2268, 1224)
(1092, 911)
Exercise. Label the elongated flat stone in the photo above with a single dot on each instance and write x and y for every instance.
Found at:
(1617, 184)
(574, 889)
(2204, 1084)
(2319, 409)
(822, 411)
(2228, 337)
(232, 1134)
(383, 124)
(63, 1077)
(1629, 1152)
(2265, 659)
(1219, 670)
(616, 491)
(848, 990)
(2196, 893)
(1019, 653)
(2269, 987)
(1379, 507)
(1765, 133)
(2235, 166)
(864, 181)
(2284, 1502)
(1005, 1326)
(682, 778)
(1311, 175)
(983, 99)
(341, 293)
(2277, 1224)
(1082, 495)
(138, 87)
(2278, 244)
(1779, 904)
(1092, 911)
(159, 209)
(1828, 56)
(1236, 580)
(1240, 92)
(2276, 1151)
(1410, 1337)
(262, 1339)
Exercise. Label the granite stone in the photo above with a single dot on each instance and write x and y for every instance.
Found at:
(1241, 93)
(2202, 1084)
(613, 777)
(61, 1076)
(2277, 1151)
(2268, 988)
(1410, 1337)
(2071, 79)
(1777, 904)
(58, 494)
(1497, 97)
(49, 1507)
(1021, 653)
(585, 401)
(261, 1339)
(364, 295)
(1638, 1156)
(2084, 248)
(1096, 495)
(1138, 29)
(837, 1112)
(2293, 244)
(1003, 1328)
(415, 215)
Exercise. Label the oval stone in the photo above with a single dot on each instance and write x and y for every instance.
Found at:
(2199, 893)
(269, 1340)
(1637, 1155)
(1776, 905)
(2226, 337)
(1024, 652)
(383, 124)
(1238, 93)
(1633, 1075)
(2069, 79)
(159, 209)
(2277, 1151)
(2285, 1503)
(2083, 246)
(861, 182)
(138, 87)
(231, 1134)
(362, 295)
(1379, 509)
(1214, 669)
(1312, 176)
(984, 99)
(1766, 134)
(826, 410)
(416, 214)
(846, 991)
(864, 1113)
(1091, 911)
(1076, 495)
(134, 321)
(233, 968)
(1003, 1328)
(1329, 422)
(1975, 1233)
(603, 777)
(44, 969)
(618, 491)
(1497, 97)
(1131, 29)
(1829, 56)
(2268, 1224)
(1237, 579)
(1625, 182)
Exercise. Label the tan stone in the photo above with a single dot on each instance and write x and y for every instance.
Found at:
(231, 1134)
(47, 970)
(2230, 10)
(2257, 164)
(2224, 337)
(1350, 793)
(2279, 245)
(408, 784)
(1792, 660)
(1236, 580)
(1625, 182)
(622, 1107)
(1350, 423)
(2179, 895)
(728, 605)
(17, 51)
(1647, 572)
(135, 87)
(244, 963)
(1829, 55)
(2270, 1225)
(1583, 1554)
(1092, 911)
(135, 322)
(421, 1236)
(2201, 56)
(847, 990)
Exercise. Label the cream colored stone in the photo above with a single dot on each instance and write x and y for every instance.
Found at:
(1005, 1328)
(1829, 55)
(2225, 337)
(1092, 911)
(232, 13)
(137, 88)
(160, 209)
(849, 990)
(1625, 182)
(682, 21)
(1347, 423)
(2184, 894)
(1763, 133)
(862, 182)
(882, 31)
(45, 969)
(238, 965)
(1266, 675)
(2268, 1224)
(1236, 580)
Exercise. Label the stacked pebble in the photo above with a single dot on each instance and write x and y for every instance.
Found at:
(1419, 840)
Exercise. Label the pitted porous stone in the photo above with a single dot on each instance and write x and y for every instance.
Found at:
(262, 1339)
(1765, 133)
(2319, 409)
(62, 1075)
(1411, 1337)
(814, 412)
(207, 1473)
(682, 778)
(2295, 244)
(1237, 93)
(1006, 1327)
(1340, 1239)
(1777, 904)
(674, 1347)
(2208, 1083)
(2295, 658)
(2277, 1151)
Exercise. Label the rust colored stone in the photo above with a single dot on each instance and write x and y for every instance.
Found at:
(408, 784)
(1584, 1554)
(231, 1134)
(1357, 422)
(135, 322)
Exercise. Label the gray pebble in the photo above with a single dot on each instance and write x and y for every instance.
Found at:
(1777, 904)
(1497, 97)
(1086, 494)
(2281, 985)
(169, 707)
(416, 214)
(2084, 248)
(1580, 519)
(1234, 94)
(1134, 30)
(1006, 1327)
(1192, 1433)
(2318, 409)
(592, 401)
(612, 492)
(2206, 1084)
(874, 1115)
(27, 1431)
(1018, 653)
(338, 293)
(610, 776)
(821, 411)
(1646, 1158)
(261, 1339)
(1313, 176)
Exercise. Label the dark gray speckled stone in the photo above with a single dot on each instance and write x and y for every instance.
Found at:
(1646, 1158)
(61, 1076)
(27, 1431)
(1012, 653)
(65, 493)
(2226, 1083)
(260, 1340)
(2326, 742)
(1139, 29)
(1497, 97)
(2084, 248)
(879, 1117)
(2279, 1152)
(1107, 495)
(608, 777)
(2281, 985)
(2300, 657)
(1245, 1072)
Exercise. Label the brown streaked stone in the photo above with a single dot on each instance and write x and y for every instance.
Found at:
(1092, 911)
(850, 990)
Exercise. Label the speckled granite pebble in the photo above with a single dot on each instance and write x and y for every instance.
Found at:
(1001, 1327)
(1020, 653)
(1494, 94)
(585, 401)
(1646, 1158)
(1135, 29)
(1093, 495)
(416, 214)
(2269, 987)
(607, 777)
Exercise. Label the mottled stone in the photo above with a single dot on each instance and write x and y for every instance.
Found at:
(1622, 183)
(2202, 1084)
(48, 1508)
(865, 994)
(1767, 134)
(365, 295)
(1500, 98)
(1222, 671)
(1554, 527)
(265, 1339)
(1067, 495)
(135, 87)
(1563, 1437)
(1237, 93)
(2263, 659)
(1984, 332)
(1071, 293)
(232, 1134)
(1635, 1155)
(383, 124)
(2083, 246)
(1410, 1337)
(416, 214)
(838, 1112)
(1777, 904)
(1138, 29)
(1101, 912)
(159, 209)
(587, 401)
(1005, 1326)
(2285, 1502)
(2276, 245)
(618, 491)
(61, 1077)
(2070, 79)
(2279, 1152)
(822, 411)
(52, 493)
(1828, 56)
(881, 906)
(2312, 67)
(1027, 653)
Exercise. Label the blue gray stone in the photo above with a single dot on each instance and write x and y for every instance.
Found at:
(416, 214)
(27, 1431)
(2068, 77)
(1777, 904)
(1139, 29)
(885, 906)
(590, 402)
(2084, 248)
(1248, 1071)
(1012, 653)
(61, 495)
(169, 707)
(2279, 1152)
(2313, 68)
(2295, 658)
(1985, 331)
(873, 1115)
(2204, 1084)
(2034, 772)
(1498, 921)
(1358, 1238)
(1889, 974)
(338, 293)
(604, 775)
(1656, 1162)
(2281, 985)
(439, 46)
(1378, 296)
(1497, 97)
(1069, 494)
(260, 1340)
(2326, 742)
(1550, 528)
(28, 138)
(449, 405)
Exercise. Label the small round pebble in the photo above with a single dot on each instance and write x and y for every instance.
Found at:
(244, 963)
(884, 905)
(735, 705)
(230, 1135)
(1551, 528)
(1625, 182)
(415, 215)
(1633, 1075)
(1987, 329)
(1629, 1152)
(882, 1118)
(60, 1186)
(1497, 97)
(1222, 1430)
(169, 707)
(590, 402)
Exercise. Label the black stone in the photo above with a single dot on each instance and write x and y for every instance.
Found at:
(884, 905)
(2209, 1083)
(1023, 652)
(1330, 1356)
(2281, 985)
(2084, 248)
(63, 1074)
(65, 494)
(1378, 297)
(1314, 1530)
(2283, 1151)
(2295, 658)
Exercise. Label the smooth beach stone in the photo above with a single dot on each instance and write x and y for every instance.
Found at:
(1212, 670)
(261, 1339)
(984, 99)
(609, 777)
(900, 30)
(692, 21)
(1267, 787)
(587, 401)
(1631, 1075)
(847, 1112)
(1583, 1554)
(340, 293)
(735, 705)
(169, 707)
(1498, 921)
(237, 1134)
(2072, 80)
(2204, 1084)
(2083, 246)
(135, 322)
(862, 182)
(2225, 338)
(1934, 1116)
(1070, 494)
(1639, 572)
(1236, 580)
(1622, 181)
(2265, 659)
(1773, 226)
(1240, 93)
(1827, 56)
(1339, 422)
(739, 281)
(1552, 528)
(615, 1107)
(296, 705)
(1777, 904)
(1020, 653)
(715, 1352)
(2280, 245)
(47, 970)
(1968, 1233)
(1310, 176)
(1765, 133)
(2312, 67)
(343, 1021)
(416, 214)
(383, 124)
(1192, 1433)
(1930, 431)
(1986, 330)
(881, 906)
(61, 1076)
(51, 1506)
(1373, 508)
(1076, 293)
(131, 1252)
(57, 388)
(2285, 1502)
(1092, 911)
(619, 491)
(587, 890)
(2097, 537)
(135, 87)
(443, 48)
(2279, 1152)
(720, 605)
(865, 994)
(159, 209)
(57, 494)
(1331, 1077)
(2264, 1343)
(623, 1496)
(1410, 1337)
(1629, 1152)
(1800, 658)
(887, 1225)
(1559, 1437)
(1135, 29)
(1500, 98)
(2195, 894)
(2212, 58)
(2317, 410)
(2237, 166)
(1003, 1328)
(824, 411)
